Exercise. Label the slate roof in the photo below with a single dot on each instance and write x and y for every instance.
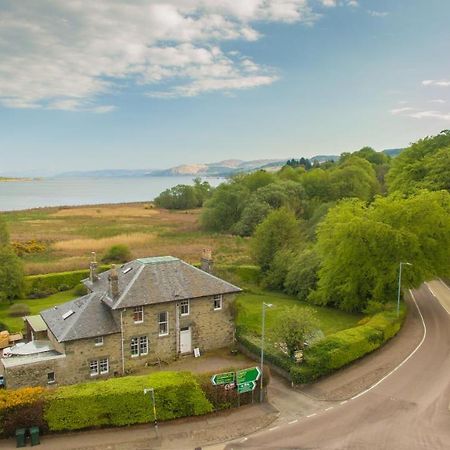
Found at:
(148, 281)
(90, 318)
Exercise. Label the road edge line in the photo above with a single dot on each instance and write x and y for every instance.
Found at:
(406, 359)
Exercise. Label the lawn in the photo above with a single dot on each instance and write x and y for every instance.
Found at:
(249, 307)
(36, 306)
(70, 234)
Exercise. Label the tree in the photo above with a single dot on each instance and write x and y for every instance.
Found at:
(360, 247)
(4, 235)
(294, 328)
(181, 196)
(425, 164)
(118, 253)
(11, 274)
(254, 213)
(280, 229)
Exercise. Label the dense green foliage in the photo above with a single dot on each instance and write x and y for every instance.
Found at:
(424, 165)
(11, 268)
(39, 286)
(121, 401)
(118, 253)
(360, 247)
(184, 196)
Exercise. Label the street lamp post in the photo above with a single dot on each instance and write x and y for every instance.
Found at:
(152, 391)
(264, 306)
(400, 284)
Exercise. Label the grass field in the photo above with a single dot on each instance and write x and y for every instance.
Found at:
(249, 315)
(36, 306)
(70, 234)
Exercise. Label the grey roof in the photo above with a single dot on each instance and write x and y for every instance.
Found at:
(90, 318)
(157, 280)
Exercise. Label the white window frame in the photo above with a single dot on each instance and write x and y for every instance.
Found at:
(140, 311)
(93, 365)
(101, 362)
(183, 304)
(53, 380)
(220, 298)
(98, 341)
(143, 346)
(166, 322)
(134, 347)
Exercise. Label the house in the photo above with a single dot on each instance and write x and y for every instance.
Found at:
(147, 310)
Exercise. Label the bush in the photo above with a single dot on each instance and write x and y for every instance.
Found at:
(39, 286)
(80, 290)
(18, 310)
(21, 408)
(119, 253)
(121, 401)
(28, 247)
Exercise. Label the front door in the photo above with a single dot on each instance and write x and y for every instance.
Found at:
(185, 340)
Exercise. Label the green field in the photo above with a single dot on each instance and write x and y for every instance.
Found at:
(36, 306)
(249, 312)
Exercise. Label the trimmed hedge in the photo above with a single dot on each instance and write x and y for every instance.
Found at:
(334, 351)
(37, 286)
(339, 349)
(121, 401)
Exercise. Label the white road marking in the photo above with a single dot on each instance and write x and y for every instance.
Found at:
(344, 402)
(293, 421)
(244, 439)
(406, 359)
(274, 428)
(434, 295)
(331, 407)
(312, 415)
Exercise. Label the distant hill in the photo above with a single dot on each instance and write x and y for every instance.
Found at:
(217, 169)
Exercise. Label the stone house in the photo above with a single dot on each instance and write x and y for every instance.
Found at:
(148, 310)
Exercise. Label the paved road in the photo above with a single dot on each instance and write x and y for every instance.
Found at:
(407, 410)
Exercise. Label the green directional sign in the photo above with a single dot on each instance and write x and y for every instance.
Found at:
(222, 378)
(247, 375)
(247, 386)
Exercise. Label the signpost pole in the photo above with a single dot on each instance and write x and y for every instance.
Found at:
(155, 421)
(261, 389)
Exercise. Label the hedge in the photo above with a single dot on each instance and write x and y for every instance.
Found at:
(334, 351)
(37, 286)
(121, 401)
(341, 348)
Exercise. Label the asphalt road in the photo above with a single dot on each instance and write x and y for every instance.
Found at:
(408, 409)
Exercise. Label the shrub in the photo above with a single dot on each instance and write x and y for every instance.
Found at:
(39, 286)
(80, 290)
(19, 310)
(119, 253)
(21, 408)
(121, 401)
(28, 247)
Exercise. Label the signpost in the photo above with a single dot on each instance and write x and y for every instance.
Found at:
(247, 386)
(247, 375)
(223, 378)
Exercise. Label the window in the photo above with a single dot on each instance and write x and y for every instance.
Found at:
(93, 368)
(51, 378)
(143, 345)
(217, 302)
(134, 346)
(163, 318)
(98, 341)
(104, 365)
(139, 346)
(138, 314)
(184, 307)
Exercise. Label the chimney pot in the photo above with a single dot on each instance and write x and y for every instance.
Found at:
(206, 260)
(93, 275)
(113, 282)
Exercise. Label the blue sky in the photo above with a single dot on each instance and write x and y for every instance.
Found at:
(143, 84)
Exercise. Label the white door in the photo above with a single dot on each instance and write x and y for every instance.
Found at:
(185, 340)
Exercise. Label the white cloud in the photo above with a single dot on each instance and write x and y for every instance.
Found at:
(353, 3)
(440, 83)
(65, 55)
(438, 100)
(378, 13)
(329, 3)
(431, 115)
(397, 111)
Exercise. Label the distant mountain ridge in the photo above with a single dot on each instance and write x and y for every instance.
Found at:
(217, 169)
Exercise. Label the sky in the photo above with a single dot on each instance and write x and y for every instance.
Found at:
(152, 84)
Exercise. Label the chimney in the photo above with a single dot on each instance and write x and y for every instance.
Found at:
(207, 261)
(93, 276)
(113, 282)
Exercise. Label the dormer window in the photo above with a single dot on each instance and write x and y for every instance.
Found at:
(98, 341)
(138, 314)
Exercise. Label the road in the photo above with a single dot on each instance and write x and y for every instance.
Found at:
(407, 409)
